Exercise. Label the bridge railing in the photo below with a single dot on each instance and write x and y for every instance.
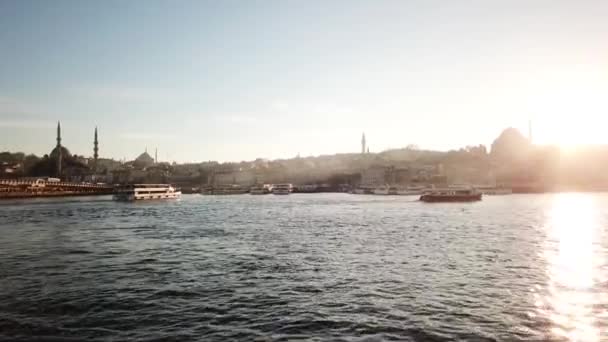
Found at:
(43, 183)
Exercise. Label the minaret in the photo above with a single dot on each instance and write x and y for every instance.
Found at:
(59, 152)
(156, 156)
(363, 143)
(530, 130)
(95, 151)
(58, 134)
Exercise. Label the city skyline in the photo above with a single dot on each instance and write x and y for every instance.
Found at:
(230, 83)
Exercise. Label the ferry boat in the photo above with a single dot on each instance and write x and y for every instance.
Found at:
(451, 195)
(282, 189)
(261, 189)
(135, 192)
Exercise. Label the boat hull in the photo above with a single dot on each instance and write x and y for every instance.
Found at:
(131, 197)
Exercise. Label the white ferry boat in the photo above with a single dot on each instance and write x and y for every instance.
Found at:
(282, 189)
(260, 189)
(135, 192)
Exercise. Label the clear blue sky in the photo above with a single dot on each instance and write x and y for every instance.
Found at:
(237, 80)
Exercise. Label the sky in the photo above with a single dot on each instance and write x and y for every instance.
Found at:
(239, 80)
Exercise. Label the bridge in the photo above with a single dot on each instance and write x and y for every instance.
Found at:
(23, 188)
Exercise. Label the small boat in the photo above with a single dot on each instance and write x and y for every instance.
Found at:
(282, 189)
(261, 189)
(451, 195)
(135, 192)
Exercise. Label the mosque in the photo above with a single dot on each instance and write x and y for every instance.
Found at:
(60, 163)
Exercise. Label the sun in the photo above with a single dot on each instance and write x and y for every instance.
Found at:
(570, 108)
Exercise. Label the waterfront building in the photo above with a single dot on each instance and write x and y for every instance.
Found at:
(239, 177)
(374, 176)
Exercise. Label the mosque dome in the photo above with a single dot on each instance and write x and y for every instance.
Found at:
(144, 159)
(510, 144)
(65, 153)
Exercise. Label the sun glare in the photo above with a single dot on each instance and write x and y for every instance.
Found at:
(572, 264)
(570, 108)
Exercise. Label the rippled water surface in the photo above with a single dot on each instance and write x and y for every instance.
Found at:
(319, 267)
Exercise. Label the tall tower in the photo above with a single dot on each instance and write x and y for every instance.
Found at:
(95, 151)
(58, 134)
(530, 130)
(59, 149)
(156, 156)
(363, 143)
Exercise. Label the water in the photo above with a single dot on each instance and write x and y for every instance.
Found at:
(319, 267)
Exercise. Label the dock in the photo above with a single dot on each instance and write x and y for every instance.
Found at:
(19, 188)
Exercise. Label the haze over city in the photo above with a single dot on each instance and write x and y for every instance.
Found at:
(279, 170)
(238, 81)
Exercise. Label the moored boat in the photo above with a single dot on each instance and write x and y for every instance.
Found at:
(398, 191)
(282, 189)
(260, 189)
(134, 192)
(411, 191)
(451, 195)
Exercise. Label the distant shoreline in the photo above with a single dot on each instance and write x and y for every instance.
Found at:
(66, 194)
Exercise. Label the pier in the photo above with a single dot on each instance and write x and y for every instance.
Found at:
(26, 188)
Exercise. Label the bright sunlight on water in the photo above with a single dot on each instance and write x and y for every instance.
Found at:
(574, 259)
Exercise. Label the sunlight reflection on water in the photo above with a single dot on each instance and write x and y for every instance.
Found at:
(573, 267)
